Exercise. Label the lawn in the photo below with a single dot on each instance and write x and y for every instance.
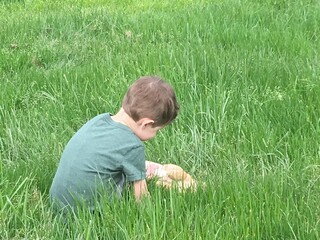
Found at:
(247, 77)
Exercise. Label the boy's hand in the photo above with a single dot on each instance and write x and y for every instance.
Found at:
(151, 169)
(140, 189)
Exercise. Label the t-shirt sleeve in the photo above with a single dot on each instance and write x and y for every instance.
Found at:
(134, 166)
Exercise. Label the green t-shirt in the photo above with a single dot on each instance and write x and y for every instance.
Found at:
(95, 162)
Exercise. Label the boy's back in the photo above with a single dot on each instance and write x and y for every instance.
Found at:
(94, 160)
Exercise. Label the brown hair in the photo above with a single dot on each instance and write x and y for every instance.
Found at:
(151, 97)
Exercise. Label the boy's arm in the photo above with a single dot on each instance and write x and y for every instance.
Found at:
(140, 189)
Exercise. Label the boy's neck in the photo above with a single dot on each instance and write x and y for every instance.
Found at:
(123, 118)
(143, 128)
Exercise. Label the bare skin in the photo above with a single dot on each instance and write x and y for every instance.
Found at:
(170, 175)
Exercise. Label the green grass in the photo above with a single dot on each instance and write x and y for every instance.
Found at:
(246, 75)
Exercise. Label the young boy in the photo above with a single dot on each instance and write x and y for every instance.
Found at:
(107, 151)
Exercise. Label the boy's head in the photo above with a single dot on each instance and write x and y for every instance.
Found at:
(151, 97)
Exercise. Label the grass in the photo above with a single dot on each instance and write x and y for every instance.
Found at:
(246, 75)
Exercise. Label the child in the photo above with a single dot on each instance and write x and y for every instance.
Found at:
(107, 151)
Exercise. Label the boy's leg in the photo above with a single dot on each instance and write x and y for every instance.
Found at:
(121, 185)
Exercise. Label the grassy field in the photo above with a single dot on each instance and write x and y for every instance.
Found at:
(247, 76)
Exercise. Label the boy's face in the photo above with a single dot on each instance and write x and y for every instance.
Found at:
(148, 132)
(145, 129)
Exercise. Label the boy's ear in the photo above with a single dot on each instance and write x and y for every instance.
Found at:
(144, 122)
